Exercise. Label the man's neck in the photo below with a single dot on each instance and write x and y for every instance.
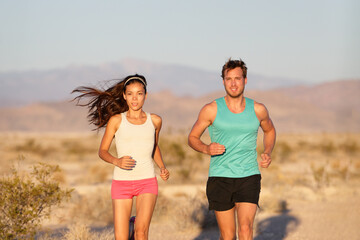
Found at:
(237, 104)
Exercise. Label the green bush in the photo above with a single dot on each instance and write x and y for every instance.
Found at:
(27, 199)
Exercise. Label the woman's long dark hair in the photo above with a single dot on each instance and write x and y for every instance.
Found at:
(103, 104)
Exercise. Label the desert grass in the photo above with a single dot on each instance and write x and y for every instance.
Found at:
(92, 208)
(79, 231)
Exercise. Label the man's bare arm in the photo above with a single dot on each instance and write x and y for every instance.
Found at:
(268, 128)
(205, 119)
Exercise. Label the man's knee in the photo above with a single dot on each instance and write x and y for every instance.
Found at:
(230, 237)
(227, 235)
(246, 229)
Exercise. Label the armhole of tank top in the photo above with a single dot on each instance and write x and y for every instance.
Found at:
(253, 110)
(118, 127)
(150, 119)
(217, 110)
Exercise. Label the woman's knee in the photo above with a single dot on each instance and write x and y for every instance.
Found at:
(141, 232)
(120, 235)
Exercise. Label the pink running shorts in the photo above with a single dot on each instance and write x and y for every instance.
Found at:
(127, 189)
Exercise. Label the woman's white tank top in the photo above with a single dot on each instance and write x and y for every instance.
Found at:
(136, 141)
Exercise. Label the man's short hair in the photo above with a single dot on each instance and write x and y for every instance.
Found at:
(231, 64)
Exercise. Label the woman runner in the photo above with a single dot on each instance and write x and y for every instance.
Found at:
(136, 134)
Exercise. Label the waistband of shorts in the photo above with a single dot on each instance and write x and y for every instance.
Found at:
(136, 180)
(221, 177)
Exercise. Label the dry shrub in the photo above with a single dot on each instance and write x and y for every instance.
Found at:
(187, 174)
(197, 156)
(273, 204)
(94, 208)
(32, 146)
(328, 147)
(303, 145)
(100, 173)
(173, 150)
(81, 231)
(184, 174)
(340, 169)
(186, 213)
(183, 161)
(26, 199)
(97, 173)
(282, 151)
(78, 231)
(60, 177)
(320, 175)
(75, 147)
(162, 207)
(355, 170)
(350, 147)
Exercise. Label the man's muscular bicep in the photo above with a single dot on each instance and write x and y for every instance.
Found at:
(263, 117)
(204, 120)
(267, 125)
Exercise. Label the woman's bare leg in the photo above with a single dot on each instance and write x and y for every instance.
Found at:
(121, 213)
(145, 204)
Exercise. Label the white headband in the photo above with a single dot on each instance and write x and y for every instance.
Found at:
(137, 78)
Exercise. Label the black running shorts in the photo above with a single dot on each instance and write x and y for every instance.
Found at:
(223, 193)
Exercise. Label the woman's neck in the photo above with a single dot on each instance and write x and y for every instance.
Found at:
(135, 114)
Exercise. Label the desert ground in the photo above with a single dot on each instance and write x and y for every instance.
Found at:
(310, 192)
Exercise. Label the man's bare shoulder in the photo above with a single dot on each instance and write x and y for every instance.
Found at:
(259, 106)
(210, 107)
(260, 110)
(208, 113)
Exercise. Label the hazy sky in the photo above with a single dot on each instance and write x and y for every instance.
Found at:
(313, 40)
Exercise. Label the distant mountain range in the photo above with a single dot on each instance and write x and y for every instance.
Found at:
(19, 88)
(327, 107)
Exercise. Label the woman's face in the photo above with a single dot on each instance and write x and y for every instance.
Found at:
(135, 95)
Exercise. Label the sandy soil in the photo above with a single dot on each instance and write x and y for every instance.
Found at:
(331, 219)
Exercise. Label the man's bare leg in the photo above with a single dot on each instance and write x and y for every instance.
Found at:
(226, 223)
(245, 215)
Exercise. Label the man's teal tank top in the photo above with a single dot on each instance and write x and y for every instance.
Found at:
(238, 133)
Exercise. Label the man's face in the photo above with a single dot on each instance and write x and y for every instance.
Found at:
(234, 82)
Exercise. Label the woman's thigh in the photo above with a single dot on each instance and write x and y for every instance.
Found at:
(121, 213)
(145, 204)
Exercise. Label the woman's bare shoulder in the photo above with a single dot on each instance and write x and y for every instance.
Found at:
(156, 119)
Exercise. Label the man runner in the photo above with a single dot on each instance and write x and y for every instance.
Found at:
(234, 182)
